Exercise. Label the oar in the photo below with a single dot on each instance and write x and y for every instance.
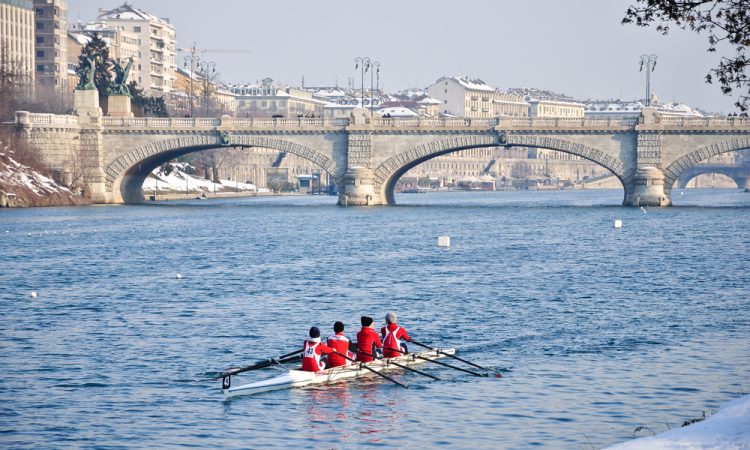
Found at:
(373, 370)
(449, 355)
(258, 365)
(476, 374)
(405, 367)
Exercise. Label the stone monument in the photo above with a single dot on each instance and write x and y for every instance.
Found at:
(86, 97)
(118, 94)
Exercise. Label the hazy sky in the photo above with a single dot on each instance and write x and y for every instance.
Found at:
(575, 47)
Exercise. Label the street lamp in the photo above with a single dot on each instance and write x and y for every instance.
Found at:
(362, 63)
(376, 66)
(650, 62)
(207, 68)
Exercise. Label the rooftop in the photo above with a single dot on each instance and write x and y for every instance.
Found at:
(129, 12)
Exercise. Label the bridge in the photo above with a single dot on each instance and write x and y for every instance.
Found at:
(739, 172)
(366, 156)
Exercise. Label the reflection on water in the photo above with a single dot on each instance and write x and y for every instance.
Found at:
(602, 330)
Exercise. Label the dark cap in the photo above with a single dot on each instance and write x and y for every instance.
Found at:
(366, 321)
(338, 327)
(314, 332)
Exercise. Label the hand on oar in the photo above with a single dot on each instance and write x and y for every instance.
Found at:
(364, 365)
(404, 367)
(261, 364)
(448, 355)
(416, 355)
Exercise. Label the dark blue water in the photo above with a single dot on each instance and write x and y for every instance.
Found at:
(597, 330)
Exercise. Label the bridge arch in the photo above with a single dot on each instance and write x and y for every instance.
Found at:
(125, 175)
(687, 176)
(673, 172)
(389, 172)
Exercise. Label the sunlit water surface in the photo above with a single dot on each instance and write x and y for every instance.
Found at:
(596, 330)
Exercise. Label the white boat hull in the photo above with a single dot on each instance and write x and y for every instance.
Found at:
(300, 378)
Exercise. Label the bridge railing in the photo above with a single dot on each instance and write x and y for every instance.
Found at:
(730, 122)
(568, 122)
(52, 119)
(432, 122)
(262, 123)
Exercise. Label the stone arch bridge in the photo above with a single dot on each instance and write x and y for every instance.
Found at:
(366, 156)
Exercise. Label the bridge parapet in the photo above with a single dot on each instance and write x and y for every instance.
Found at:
(432, 122)
(709, 123)
(226, 122)
(46, 119)
(536, 123)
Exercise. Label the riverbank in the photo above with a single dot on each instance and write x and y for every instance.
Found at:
(728, 429)
(22, 186)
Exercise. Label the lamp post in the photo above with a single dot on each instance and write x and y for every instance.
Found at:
(207, 68)
(650, 62)
(376, 67)
(362, 63)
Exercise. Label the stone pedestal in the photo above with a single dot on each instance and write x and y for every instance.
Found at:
(86, 103)
(359, 188)
(647, 189)
(119, 106)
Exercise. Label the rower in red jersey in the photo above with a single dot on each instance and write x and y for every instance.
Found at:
(392, 337)
(367, 340)
(312, 352)
(340, 343)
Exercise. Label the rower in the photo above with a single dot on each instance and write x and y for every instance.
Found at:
(367, 340)
(313, 350)
(340, 343)
(392, 336)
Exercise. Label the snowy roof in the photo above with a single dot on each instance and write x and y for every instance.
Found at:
(129, 12)
(80, 38)
(330, 93)
(475, 84)
(430, 101)
(397, 112)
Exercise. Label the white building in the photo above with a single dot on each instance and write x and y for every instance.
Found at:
(157, 45)
(123, 45)
(463, 97)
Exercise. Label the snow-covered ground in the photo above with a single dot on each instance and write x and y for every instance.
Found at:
(177, 180)
(21, 185)
(728, 429)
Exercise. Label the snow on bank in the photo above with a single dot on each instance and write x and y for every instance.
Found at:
(20, 185)
(728, 429)
(173, 177)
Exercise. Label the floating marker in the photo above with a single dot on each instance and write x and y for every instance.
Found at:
(179, 277)
(444, 241)
(643, 209)
(618, 223)
(33, 294)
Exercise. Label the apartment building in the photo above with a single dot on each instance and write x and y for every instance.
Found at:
(269, 99)
(156, 39)
(51, 47)
(463, 97)
(17, 40)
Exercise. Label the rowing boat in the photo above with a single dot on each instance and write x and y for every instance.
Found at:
(300, 378)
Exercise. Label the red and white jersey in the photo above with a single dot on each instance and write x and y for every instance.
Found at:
(340, 343)
(311, 353)
(366, 338)
(392, 335)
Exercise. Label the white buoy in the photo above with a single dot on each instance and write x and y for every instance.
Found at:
(618, 223)
(444, 241)
(643, 209)
(179, 277)
(33, 294)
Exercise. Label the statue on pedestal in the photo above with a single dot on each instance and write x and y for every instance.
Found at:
(86, 71)
(119, 85)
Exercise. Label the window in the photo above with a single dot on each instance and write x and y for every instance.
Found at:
(136, 29)
(40, 54)
(57, 25)
(39, 40)
(40, 11)
(39, 25)
(40, 67)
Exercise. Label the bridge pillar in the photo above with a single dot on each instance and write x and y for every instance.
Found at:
(91, 149)
(647, 189)
(359, 188)
(743, 183)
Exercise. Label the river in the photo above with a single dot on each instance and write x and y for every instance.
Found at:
(596, 330)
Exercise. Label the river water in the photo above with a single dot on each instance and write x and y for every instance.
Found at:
(596, 330)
